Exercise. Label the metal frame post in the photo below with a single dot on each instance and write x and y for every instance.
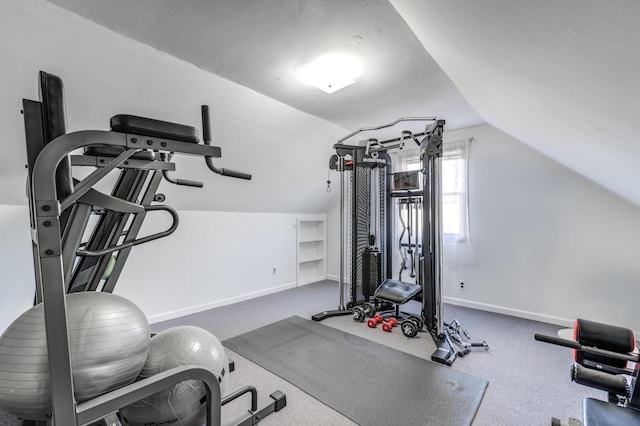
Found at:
(341, 305)
(48, 249)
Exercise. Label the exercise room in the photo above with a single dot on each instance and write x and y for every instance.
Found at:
(381, 212)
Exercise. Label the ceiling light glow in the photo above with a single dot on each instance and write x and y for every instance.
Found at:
(331, 72)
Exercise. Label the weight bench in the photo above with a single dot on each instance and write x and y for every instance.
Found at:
(601, 355)
(601, 413)
(606, 373)
(397, 293)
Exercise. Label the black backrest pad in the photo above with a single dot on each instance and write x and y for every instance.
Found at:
(603, 336)
(153, 128)
(53, 121)
(51, 94)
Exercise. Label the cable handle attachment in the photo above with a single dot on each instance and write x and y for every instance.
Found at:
(206, 137)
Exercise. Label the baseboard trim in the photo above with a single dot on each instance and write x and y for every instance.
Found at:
(311, 280)
(550, 319)
(337, 278)
(216, 304)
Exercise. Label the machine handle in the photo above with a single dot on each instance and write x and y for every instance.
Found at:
(182, 182)
(185, 182)
(235, 174)
(206, 137)
(577, 346)
(383, 126)
(557, 341)
(206, 126)
(169, 231)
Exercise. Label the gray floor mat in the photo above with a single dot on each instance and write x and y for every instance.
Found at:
(367, 382)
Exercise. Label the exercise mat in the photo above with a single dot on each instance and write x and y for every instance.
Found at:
(369, 383)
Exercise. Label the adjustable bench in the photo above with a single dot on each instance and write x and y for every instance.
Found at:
(397, 293)
(602, 352)
(601, 413)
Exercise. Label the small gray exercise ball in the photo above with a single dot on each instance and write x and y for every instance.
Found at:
(108, 340)
(182, 404)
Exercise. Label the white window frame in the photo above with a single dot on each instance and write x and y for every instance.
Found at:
(452, 151)
(455, 186)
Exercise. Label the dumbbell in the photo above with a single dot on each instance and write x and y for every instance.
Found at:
(363, 311)
(411, 326)
(373, 322)
(389, 324)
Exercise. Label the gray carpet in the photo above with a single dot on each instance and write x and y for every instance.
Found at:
(530, 380)
(369, 383)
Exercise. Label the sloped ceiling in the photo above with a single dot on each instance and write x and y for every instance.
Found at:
(260, 44)
(559, 76)
(562, 77)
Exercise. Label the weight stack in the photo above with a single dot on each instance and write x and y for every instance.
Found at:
(372, 274)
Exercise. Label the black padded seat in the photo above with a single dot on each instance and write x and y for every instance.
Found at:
(600, 413)
(397, 292)
(153, 128)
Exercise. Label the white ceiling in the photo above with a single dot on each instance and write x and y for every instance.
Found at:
(261, 43)
(559, 76)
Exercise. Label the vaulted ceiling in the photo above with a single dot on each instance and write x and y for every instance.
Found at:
(559, 76)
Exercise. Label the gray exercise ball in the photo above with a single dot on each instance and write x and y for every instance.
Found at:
(182, 404)
(108, 340)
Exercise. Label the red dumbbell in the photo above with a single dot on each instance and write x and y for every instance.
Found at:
(373, 322)
(388, 325)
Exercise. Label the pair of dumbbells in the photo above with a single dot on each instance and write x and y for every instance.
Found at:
(386, 325)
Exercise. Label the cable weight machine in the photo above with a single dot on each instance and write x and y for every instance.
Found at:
(364, 222)
(366, 237)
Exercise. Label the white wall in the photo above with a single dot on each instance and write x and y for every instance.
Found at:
(16, 265)
(232, 232)
(546, 243)
(213, 259)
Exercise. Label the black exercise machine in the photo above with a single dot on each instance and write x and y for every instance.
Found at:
(60, 207)
(602, 352)
(366, 233)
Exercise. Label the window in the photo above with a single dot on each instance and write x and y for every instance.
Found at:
(455, 217)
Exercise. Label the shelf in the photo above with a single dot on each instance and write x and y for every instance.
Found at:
(312, 259)
(311, 249)
(311, 240)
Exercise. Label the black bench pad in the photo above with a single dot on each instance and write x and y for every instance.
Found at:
(600, 413)
(396, 291)
(153, 128)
